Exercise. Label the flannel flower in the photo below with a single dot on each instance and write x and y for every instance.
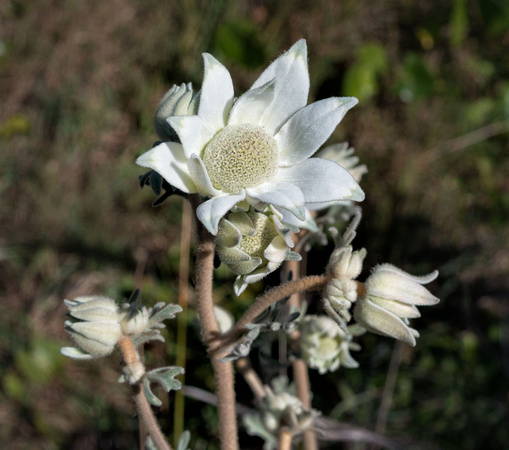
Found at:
(325, 346)
(391, 299)
(253, 244)
(256, 148)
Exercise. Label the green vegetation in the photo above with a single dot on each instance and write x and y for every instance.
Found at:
(79, 83)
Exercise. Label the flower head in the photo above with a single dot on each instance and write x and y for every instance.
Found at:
(390, 301)
(325, 346)
(94, 326)
(97, 323)
(255, 148)
(253, 244)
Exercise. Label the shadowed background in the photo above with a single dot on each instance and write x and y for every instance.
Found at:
(79, 83)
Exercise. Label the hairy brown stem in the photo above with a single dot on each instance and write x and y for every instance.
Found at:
(223, 372)
(131, 357)
(300, 369)
(262, 302)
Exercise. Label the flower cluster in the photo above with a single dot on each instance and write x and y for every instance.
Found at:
(384, 303)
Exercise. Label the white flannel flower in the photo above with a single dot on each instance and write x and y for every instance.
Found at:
(253, 244)
(390, 301)
(94, 326)
(325, 346)
(256, 148)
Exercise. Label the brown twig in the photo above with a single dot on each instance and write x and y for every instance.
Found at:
(131, 358)
(262, 302)
(300, 369)
(252, 379)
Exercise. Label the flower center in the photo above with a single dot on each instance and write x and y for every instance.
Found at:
(240, 156)
(255, 245)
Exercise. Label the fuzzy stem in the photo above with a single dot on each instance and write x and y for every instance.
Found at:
(300, 369)
(285, 440)
(131, 358)
(223, 372)
(252, 379)
(261, 303)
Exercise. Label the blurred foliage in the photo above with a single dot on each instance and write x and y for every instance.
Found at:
(432, 127)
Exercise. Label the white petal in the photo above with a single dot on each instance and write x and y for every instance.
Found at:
(251, 106)
(291, 75)
(235, 256)
(423, 279)
(75, 353)
(169, 161)
(240, 285)
(403, 310)
(201, 177)
(276, 250)
(257, 275)
(211, 211)
(228, 235)
(216, 95)
(308, 223)
(105, 333)
(322, 180)
(284, 195)
(394, 286)
(309, 128)
(378, 320)
(243, 223)
(193, 133)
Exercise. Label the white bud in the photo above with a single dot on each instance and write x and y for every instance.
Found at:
(94, 326)
(390, 301)
(178, 101)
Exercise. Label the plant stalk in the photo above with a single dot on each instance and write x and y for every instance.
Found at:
(223, 371)
(131, 358)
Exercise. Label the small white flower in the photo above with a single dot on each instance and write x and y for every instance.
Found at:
(390, 301)
(253, 244)
(95, 327)
(257, 147)
(324, 345)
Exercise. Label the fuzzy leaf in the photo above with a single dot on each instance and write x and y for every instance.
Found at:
(152, 399)
(165, 312)
(165, 377)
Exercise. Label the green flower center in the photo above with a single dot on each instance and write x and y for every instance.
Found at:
(240, 156)
(255, 245)
(328, 349)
